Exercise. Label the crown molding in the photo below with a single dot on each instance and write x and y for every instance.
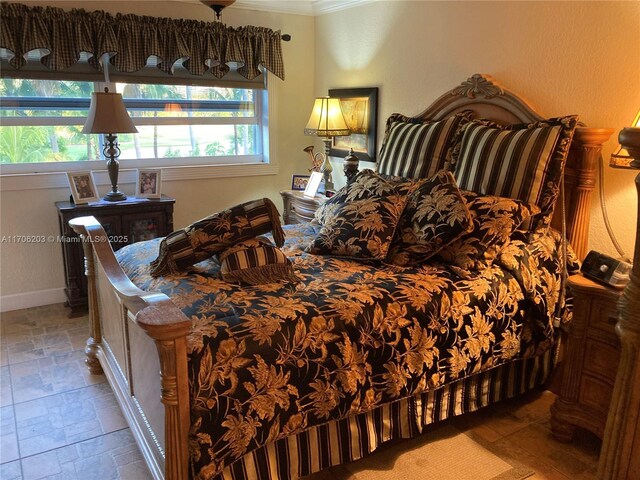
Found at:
(306, 7)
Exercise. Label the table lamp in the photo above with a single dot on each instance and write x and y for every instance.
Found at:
(327, 121)
(108, 115)
(624, 411)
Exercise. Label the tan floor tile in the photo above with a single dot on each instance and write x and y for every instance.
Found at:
(58, 420)
(11, 471)
(6, 394)
(8, 437)
(51, 375)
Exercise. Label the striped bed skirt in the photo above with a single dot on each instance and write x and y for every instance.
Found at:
(354, 437)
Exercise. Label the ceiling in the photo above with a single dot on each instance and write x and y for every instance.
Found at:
(298, 7)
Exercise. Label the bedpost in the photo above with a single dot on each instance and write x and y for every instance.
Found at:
(95, 333)
(168, 326)
(580, 178)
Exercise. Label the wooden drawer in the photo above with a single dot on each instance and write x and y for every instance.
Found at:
(601, 359)
(604, 316)
(596, 394)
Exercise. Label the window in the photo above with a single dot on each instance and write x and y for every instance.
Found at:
(41, 122)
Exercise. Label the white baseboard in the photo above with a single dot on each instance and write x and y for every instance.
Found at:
(32, 299)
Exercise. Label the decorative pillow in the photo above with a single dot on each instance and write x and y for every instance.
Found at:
(524, 161)
(204, 238)
(494, 220)
(415, 148)
(254, 262)
(363, 225)
(349, 193)
(436, 214)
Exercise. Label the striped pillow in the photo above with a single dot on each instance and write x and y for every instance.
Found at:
(523, 161)
(414, 148)
(215, 233)
(255, 262)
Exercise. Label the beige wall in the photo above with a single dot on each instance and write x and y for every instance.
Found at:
(563, 57)
(574, 57)
(29, 268)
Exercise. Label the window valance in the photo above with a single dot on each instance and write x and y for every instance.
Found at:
(202, 48)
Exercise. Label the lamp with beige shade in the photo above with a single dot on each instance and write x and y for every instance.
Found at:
(327, 121)
(108, 115)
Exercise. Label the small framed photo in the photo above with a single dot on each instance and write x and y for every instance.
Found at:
(313, 184)
(83, 188)
(149, 181)
(299, 182)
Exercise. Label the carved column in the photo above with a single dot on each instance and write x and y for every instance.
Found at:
(619, 457)
(587, 146)
(169, 328)
(95, 332)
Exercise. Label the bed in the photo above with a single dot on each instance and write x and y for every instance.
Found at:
(282, 380)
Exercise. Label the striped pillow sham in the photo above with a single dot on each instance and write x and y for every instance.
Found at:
(523, 161)
(183, 248)
(415, 148)
(255, 262)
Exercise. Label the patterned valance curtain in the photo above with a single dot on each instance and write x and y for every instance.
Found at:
(202, 48)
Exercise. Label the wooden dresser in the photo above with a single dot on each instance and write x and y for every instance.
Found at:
(129, 221)
(590, 361)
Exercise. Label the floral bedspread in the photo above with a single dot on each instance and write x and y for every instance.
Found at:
(271, 360)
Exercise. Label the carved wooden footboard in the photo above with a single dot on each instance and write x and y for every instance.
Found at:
(134, 336)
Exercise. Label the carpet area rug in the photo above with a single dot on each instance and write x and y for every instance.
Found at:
(442, 453)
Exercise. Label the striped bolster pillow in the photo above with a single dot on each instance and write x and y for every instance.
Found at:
(524, 161)
(213, 234)
(415, 148)
(255, 262)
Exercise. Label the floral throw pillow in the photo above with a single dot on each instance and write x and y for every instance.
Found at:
(436, 214)
(363, 225)
(494, 220)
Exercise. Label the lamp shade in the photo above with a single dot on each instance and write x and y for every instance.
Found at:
(628, 153)
(326, 119)
(107, 114)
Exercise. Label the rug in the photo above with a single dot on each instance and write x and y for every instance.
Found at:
(443, 453)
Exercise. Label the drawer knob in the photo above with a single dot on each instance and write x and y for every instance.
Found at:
(612, 321)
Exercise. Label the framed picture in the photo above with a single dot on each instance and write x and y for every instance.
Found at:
(83, 188)
(299, 182)
(360, 109)
(313, 184)
(149, 181)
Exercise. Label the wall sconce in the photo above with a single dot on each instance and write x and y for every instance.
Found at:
(108, 115)
(327, 121)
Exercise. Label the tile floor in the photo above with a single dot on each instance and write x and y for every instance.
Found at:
(59, 422)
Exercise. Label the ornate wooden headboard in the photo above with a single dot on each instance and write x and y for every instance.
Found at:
(488, 99)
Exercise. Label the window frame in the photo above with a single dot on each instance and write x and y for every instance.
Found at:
(180, 167)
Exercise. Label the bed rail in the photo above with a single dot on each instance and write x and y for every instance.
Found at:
(123, 314)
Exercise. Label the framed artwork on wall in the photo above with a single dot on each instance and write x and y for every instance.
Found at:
(360, 110)
(149, 181)
(83, 188)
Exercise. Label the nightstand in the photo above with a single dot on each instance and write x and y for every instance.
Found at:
(590, 361)
(298, 207)
(129, 221)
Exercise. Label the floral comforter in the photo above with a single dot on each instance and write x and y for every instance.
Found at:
(272, 360)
